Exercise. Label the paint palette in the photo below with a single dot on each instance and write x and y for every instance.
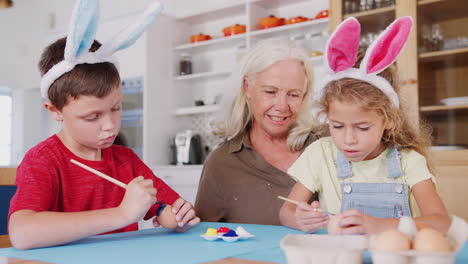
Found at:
(226, 234)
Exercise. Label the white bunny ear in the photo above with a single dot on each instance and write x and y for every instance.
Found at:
(130, 34)
(82, 29)
(342, 47)
(385, 49)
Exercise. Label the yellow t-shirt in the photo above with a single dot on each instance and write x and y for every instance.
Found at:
(316, 170)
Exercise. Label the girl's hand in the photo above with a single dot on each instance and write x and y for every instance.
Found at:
(185, 215)
(139, 197)
(357, 222)
(309, 218)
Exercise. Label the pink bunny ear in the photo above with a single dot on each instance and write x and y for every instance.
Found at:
(342, 47)
(388, 45)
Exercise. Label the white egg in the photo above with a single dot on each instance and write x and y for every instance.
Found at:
(392, 240)
(431, 240)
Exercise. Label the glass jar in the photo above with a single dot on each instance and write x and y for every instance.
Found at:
(185, 64)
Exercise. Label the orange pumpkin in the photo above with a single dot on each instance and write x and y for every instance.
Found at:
(270, 21)
(295, 20)
(233, 30)
(199, 37)
(322, 14)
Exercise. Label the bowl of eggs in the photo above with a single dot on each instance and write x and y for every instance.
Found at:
(415, 244)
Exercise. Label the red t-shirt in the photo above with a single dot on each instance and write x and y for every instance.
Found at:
(48, 181)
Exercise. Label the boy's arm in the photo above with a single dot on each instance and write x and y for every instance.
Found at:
(31, 229)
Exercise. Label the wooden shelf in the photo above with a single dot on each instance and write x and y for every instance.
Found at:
(443, 108)
(196, 110)
(436, 10)
(372, 12)
(202, 75)
(442, 55)
(374, 20)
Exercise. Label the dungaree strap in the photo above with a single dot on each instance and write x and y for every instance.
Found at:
(343, 166)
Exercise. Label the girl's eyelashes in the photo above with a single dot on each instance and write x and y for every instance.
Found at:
(363, 128)
(337, 126)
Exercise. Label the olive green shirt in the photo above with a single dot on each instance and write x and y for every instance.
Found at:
(238, 186)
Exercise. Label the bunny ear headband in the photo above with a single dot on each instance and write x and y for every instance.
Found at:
(342, 48)
(81, 34)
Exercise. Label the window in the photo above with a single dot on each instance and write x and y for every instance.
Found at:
(5, 130)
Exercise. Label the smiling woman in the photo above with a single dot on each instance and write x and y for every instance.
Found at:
(266, 125)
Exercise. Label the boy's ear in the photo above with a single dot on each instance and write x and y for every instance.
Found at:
(53, 111)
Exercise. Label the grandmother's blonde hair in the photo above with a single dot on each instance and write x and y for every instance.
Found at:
(236, 115)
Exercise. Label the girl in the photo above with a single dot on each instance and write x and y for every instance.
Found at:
(374, 160)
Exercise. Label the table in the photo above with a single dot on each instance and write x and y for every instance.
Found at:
(163, 246)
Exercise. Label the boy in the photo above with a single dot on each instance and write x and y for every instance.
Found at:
(57, 201)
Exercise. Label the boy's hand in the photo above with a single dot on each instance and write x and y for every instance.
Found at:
(138, 199)
(357, 222)
(309, 218)
(185, 215)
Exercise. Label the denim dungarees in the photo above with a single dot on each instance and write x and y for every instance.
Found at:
(383, 200)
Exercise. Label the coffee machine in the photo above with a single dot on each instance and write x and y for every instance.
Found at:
(188, 148)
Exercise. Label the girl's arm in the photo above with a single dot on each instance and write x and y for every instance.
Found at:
(431, 207)
(303, 216)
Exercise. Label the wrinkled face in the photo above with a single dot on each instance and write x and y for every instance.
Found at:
(276, 96)
(93, 123)
(356, 133)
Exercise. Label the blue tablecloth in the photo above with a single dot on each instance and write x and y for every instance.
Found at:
(162, 246)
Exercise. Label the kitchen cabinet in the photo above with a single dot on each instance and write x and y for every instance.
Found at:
(183, 179)
(433, 70)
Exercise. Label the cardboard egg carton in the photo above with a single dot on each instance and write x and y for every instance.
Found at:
(457, 236)
(324, 249)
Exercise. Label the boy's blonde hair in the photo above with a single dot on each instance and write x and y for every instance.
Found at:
(402, 134)
(236, 117)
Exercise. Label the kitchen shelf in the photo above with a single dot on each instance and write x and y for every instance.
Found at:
(442, 9)
(196, 110)
(316, 22)
(443, 108)
(269, 4)
(372, 13)
(224, 42)
(443, 55)
(202, 75)
(374, 20)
